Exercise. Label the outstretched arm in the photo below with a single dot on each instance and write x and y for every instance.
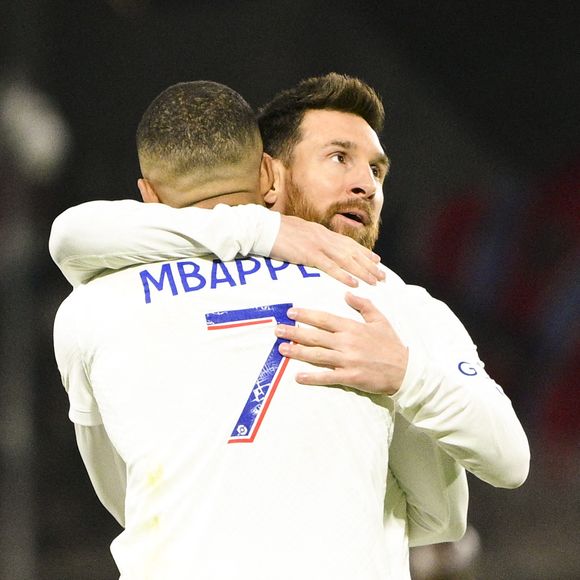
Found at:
(96, 236)
(441, 389)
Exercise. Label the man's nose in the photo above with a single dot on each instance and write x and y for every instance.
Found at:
(363, 182)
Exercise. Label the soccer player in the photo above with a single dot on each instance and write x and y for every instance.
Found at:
(470, 452)
(313, 132)
(154, 361)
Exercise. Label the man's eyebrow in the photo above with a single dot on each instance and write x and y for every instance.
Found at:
(342, 144)
(383, 160)
(380, 159)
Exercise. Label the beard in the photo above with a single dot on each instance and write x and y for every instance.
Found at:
(298, 205)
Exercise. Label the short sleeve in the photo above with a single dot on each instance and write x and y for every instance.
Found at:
(71, 364)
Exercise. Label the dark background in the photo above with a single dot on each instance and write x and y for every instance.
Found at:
(482, 207)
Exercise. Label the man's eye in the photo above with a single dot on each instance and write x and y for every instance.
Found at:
(378, 171)
(340, 157)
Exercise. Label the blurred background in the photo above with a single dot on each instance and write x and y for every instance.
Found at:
(482, 207)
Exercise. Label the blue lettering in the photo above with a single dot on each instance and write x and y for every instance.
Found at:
(306, 274)
(193, 273)
(227, 277)
(166, 273)
(466, 369)
(273, 269)
(193, 277)
(243, 273)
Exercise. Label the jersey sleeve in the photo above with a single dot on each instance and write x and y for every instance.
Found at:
(83, 408)
(92, 237)
(107, 471)
(434, 484)
(396, 528)
(448, 395)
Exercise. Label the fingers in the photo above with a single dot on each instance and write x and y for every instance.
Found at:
(322, 379)
(311, 244)
(320, 319)
(356, 260)
(330, 322)
(332, 269)
(305, 336)
(372, 315)
(366, 308)
(318, 356)
(315, 355)
(365, 269)
(345, 268)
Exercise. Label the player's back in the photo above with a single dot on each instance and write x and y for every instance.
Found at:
(234, 469)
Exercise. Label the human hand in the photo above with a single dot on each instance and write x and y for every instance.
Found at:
(311, 244)
(368, 356)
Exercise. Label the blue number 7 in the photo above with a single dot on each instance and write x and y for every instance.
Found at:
(265, 386)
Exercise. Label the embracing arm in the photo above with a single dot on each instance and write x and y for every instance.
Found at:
(438, 383)
(448, 395)
(92, 237)
(96, 236)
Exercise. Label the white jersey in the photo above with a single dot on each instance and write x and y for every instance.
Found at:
(449, 412)
(234, 469)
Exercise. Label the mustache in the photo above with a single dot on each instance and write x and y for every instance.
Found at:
(360, 204)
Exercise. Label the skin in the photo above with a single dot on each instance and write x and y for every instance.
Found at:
(249, 182)
(340, 160)
(246, 182)
(341, 164)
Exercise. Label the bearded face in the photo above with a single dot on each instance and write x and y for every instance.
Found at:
(335, 175)
(355, 218)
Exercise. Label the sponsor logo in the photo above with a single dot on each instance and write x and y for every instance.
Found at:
(466, 368)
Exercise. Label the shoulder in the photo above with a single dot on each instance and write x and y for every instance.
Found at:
(391, 277)
(427, 311)
(65, 332)
(67, 312)
(74, 315)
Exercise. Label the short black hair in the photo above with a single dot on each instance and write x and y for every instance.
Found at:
(280, 119)
(196, 125)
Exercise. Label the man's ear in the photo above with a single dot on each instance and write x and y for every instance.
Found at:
(274, 196)
(147, 192)
(266, 174)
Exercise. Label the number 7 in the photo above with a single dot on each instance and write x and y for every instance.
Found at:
(265, 386)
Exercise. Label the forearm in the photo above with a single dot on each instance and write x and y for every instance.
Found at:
(90, 238)
(474, 423)
(451, 400)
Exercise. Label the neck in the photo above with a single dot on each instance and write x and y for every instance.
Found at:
(233, 198)
(208, 193)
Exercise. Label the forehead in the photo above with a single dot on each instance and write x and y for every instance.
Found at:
(321, 127)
